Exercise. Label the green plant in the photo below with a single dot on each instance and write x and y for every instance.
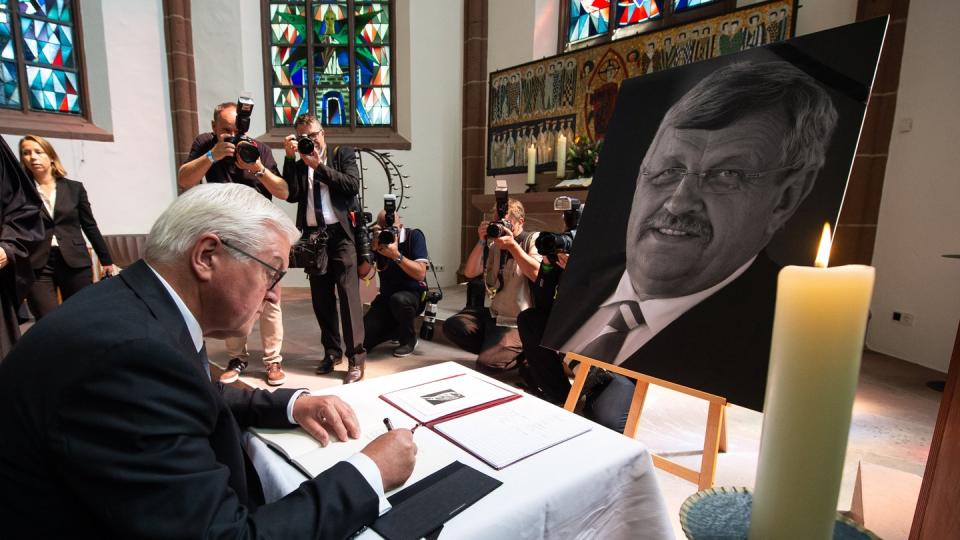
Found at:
(582, 156)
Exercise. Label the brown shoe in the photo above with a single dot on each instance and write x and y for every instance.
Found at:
(275, 375)
(234, 368)
(354, 374)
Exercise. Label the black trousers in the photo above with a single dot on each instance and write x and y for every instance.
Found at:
(340, 282)
(475, 330)
(544, 369)
(391, 317)
(42, 297)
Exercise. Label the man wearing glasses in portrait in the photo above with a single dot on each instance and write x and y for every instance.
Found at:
(729, 165)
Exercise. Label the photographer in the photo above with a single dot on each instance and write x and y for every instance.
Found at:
(324, 183)
(512, 262)
(215, 156)
(402, 266)
(542, 369)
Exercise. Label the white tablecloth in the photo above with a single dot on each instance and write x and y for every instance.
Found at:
(597, 485)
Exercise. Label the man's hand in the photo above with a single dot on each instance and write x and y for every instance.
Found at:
(223, 148)
(319, 415)
(312, 159)
(390, 251)
(482, 230)
(562, 258)
(395, 454)
(254, 167)
(3, 258)
(506, 241)
(290, 146)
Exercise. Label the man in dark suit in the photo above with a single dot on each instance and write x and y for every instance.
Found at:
(324, 183)
(112, 427)
(729, 165)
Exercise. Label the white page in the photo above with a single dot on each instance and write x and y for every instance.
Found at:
(511, 431)
(436, 399)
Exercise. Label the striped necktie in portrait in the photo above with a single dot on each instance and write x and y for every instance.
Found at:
(608, 343)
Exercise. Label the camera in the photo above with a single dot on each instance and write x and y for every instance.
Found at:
(430, 314)
(548, 244)
(246, 147)
(389, 233)
(500, 226)
(305, 145)
(362, 234)
(310, 253)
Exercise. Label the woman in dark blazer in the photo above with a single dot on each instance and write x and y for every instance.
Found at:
(61, 260)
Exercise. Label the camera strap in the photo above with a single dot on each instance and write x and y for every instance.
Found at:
(521, 239)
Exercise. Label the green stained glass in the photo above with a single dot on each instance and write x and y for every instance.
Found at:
(330, 22)
(288, 24)
(288, 104)
(332, 105)
(53, 90)
(289, 65)
(373, 65)
(373, 106)
(372, 22)
(331, 66)
(58, 10)
(47, 43)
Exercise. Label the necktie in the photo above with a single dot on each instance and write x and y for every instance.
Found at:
(318, 202)
(204, 359)
(607, 344)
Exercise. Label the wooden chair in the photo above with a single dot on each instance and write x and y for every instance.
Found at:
(715, 438)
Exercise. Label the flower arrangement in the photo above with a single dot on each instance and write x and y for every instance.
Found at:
(582, 156)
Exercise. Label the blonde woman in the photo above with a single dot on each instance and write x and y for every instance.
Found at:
(61, 261)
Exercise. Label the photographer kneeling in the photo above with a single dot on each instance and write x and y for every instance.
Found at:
(401, 260)
(509, 262)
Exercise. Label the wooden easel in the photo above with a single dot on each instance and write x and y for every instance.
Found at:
(714, 440)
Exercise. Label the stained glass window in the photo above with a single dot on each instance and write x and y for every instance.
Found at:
(332, 58)
(588, 18)
(631, 12)
(680, 5)
(37, 56)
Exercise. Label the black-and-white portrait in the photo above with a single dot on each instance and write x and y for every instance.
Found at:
(441, 397)
(699, 200)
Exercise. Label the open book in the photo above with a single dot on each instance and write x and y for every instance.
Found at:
(493, 423)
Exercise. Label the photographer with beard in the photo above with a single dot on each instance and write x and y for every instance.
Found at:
(214, 157)
(324, 183)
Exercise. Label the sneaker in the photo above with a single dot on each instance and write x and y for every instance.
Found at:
(234, 368)
(275, 375)
(406, 349)
(354, 374)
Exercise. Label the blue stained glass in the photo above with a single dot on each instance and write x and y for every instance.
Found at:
(58, 10)
(373, 106)
(6, 34)
(47, 43)
(53, 90)
(636, 11)
(588, 18)
(680, 5)
(9, 87)
(332, 106)
(373, 65)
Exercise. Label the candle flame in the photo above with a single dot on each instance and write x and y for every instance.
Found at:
(823, 254)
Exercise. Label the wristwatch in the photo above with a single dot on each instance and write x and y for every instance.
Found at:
(259, 173)
(399, 259)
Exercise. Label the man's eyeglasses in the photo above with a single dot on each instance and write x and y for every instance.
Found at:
(709, 181)
(276, 274)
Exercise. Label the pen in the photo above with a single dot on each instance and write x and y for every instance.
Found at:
(388, 423)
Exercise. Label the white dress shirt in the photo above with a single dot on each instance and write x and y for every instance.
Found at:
(329, 217)
(658, 313)
(367, 468)
(50, 203)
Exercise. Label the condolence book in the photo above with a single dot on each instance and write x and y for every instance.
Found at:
(495, 424)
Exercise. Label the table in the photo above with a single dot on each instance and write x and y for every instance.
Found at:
(598, 485)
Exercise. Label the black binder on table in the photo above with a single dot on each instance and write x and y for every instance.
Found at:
(425, 506)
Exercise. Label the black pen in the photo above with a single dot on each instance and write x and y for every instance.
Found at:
(388, 423)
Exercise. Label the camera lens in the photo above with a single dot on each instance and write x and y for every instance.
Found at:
(494, 230)
(386, 236)
(248, 152)
(305, 145)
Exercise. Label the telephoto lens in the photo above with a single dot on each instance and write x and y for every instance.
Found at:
(429, 318)
(305, 145)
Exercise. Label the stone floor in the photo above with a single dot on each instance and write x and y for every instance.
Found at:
(892, 425)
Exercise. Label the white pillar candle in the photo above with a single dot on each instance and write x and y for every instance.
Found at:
(561, 154)
(817, 343)
(531, 164)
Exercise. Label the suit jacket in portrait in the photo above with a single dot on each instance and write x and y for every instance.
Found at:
(72, 217)
(112, 428)
(340, 174)
(721, 345)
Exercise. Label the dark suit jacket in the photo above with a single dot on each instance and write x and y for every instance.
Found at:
(71, 218)
(721, 345)
(111, 428)
(340, 174)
